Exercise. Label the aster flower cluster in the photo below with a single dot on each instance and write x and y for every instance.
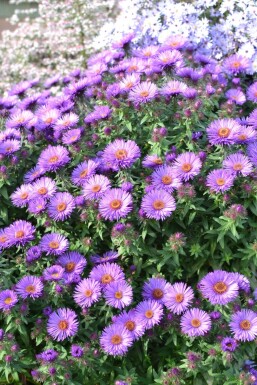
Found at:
(117, 193)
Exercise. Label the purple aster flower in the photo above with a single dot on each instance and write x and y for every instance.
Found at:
(246, 135)
(53, 273)
(33, 254)
(10, 146)
(73, 262)
(190, 93)
(53, 157)
(149, 313)
(66, 121)
(238, 163)
(152, 161)
(96, 186)
(169, 58)
(235, 64)
(20, 88)
(19, 119)
(109, 256)
(236, 96)
(105, 273)
(220, 180)
(165, 178)
(20, 232)
(61, 206)
(252, 92)
(252, 119)
(118, 294)
(37, 205)
(83, 171)
(62, 324)
(133, 65)
(54, 243)
(129, 81)
(223, 131)
(195, 322)
(127, 186)
(47, 117)
(71, 136)
(125, 39)
(76, 351)
(49, 355)
(121, 153)
(187, 166)
(131, 323)
(219, 287)
(29, 287)
(252, 152)
(243, 325)
(87, 292)
(147, 52)
(143, 92)
(115, 340)
(158, 204)
(174, 42)
(156, 289)
(33, 174)
(242, 282)
(115, 204)
(100, 112)
(179, 297)
(173, 87)
(22, 195)
(8, 299)
(43, 188)
(228, 344)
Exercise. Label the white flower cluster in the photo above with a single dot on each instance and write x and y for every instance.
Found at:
(215, 27)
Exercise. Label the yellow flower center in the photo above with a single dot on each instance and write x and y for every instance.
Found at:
(61, 207)
(121, 154)
(179, 297)
(149, 314)
(63, 325)
(42, 190)
(30, 289)
(118, 294)
(220, 287)
(158, 204)
(53, 159)
(96, 188)
(245, 324)
(116, 204)
(166, 179)
(224, 132)
(19, 234)
(220, 181)
(8, 300)
(88, 293)
(196, 322)
(106, 278)
(186, 167)
(116, 339)
(54, 245)
(130, 325)
(70, 266)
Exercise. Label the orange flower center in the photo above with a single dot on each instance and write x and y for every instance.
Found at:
(130, 325)
(237, 166)
(54, 245)
(48, 120)
(3, 238)
(116, 339)
(149, 314)
(220, 181)
(118, 294)
(158, 161)
(224, 132)
(53, 159)
(63, 325)
(236, 64)
(88, 293)
(242, 136)
(24, 195)
(196, 322)
(166, 179)
(9, 149)
(220, 287)
(83, 174)
(158, 204)
(116, 204)
(106, 278)
(42, 190)
(121, 154)
(55, 275)
(157, 293)
(8, 300)
(144, 94)
(70, 266)
(245, 324)
(96, 188)
(61, 206)
(19, 234)
(129, 85)
(30, 289)
(179, 297)
(186, 167)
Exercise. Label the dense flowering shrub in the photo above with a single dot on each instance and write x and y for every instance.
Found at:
(128, 221)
